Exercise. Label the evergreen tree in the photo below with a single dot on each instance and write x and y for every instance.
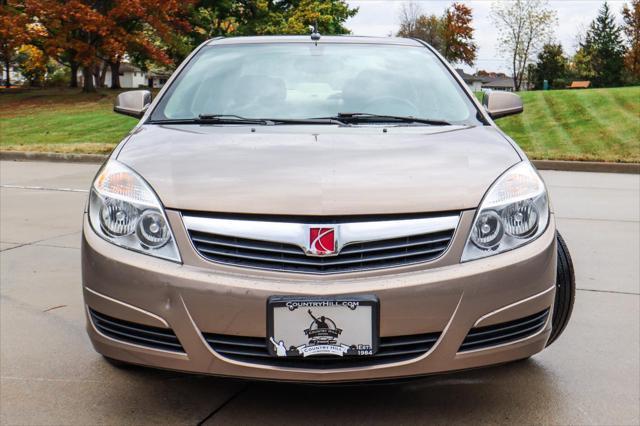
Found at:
(604, 46)
(551, 66)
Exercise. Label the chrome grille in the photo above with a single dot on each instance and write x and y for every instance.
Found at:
(291, 258)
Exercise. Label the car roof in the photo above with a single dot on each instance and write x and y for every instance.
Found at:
(349, 39)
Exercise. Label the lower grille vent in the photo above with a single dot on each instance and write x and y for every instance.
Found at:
(492, 335)
(139, 334)
(254, 350)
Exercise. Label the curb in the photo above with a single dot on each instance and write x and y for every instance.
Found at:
(587, 166)
(53, 157)
(565, 166)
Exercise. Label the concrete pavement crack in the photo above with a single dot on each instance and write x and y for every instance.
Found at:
(15, 247)
(36, 243)
(224, 404)
(608, 291)
(55, 246)
(596, 219)
(602, 188)
(43, 188)
(54, 307)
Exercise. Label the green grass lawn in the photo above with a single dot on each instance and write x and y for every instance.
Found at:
(61, 120)
(595, 124)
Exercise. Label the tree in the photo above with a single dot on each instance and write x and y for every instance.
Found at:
(524, 26)
(75, 29)
(605, 49)
(427, 28)
(98, 33)
(450, 34)
(95, 35)
(135, 32)
(298, 15)
(631, 28)
(409, 15)
(580, 65)
(551, 65)
(14, 32)
(212, 18)
(492, 74)
(415, 24)
(32, 64)
(66, 58)
(457, 35)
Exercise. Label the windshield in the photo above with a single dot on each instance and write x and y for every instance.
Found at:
(302, 81)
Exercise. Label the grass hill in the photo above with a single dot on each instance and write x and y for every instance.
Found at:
(593, 124)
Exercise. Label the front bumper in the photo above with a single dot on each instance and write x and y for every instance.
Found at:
(197, 297)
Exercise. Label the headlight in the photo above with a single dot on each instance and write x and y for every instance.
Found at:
(514, 212)
(125, 211)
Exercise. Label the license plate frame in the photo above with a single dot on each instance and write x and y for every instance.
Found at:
(322, 341)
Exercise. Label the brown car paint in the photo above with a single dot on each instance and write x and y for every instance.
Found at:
(318, 172)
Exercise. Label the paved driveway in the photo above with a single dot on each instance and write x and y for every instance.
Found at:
(51, 375)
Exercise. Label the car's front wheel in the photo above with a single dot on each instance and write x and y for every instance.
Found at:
(565, 291)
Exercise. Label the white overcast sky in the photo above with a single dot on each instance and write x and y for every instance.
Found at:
(380, 18)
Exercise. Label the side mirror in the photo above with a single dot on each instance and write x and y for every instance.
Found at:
(501, 104)
(133, 103)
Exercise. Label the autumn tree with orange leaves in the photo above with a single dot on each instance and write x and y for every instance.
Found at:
(91, 33)
(14, 32)
(97, 35)
(450, 34)
(457, 35)
(631, 28)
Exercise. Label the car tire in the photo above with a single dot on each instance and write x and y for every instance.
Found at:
(565, 291)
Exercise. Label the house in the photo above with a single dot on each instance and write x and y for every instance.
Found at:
(504, 84)
(473, 81)
(132, 77)
(15, 77)
(157, 79)
(489, 81)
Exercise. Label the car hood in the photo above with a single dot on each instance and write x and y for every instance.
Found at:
(318, 170)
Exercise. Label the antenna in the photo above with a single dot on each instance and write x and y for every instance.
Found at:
(315, 35)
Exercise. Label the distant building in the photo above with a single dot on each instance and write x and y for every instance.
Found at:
(157, 79)
(504, 84)
(15, 76)
(473, 81)
(132, 77)
(490, 81)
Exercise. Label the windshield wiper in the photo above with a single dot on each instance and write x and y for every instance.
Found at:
(214, 119)
(237, 119)
(233, 119)
(363, 117)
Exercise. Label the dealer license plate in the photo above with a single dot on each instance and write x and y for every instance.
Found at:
(313, 326)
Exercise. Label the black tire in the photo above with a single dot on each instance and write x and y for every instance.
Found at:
(565, 291)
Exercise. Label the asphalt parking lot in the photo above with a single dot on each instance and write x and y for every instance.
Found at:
(51, 375)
